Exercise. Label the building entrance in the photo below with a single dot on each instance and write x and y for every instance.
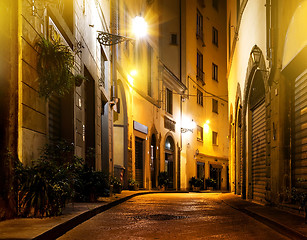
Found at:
(258, 138)
(139, 157)
(153, 162)
(169, 160)
(215, 173)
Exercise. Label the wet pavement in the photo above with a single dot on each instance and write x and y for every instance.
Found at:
(50, 228)
(173, 216)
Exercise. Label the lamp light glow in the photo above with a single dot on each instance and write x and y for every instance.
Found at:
(193, 124)
(139, 26)
(190, 126)
(130, 79)
(206, 126)
(133, 73)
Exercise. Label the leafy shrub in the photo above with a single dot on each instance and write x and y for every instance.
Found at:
(196, 182)
(133, 184)
(210, 182)
(54, 66)
(55, 178)
(90, 184)
(117, 185)
(42, 189)
(163, 179)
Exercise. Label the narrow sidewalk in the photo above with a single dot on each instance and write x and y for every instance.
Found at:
(53, 227)
(289, 224)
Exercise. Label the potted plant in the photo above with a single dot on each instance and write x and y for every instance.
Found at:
(196, 184)
(133, 185)
(117, 186)
(163, 180)
(55, 62)
(299, 196)
(210, 183)
(79, 79)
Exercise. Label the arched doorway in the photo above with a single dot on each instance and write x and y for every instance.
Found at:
(258, 137)
(153, 161)
(255, 163)
(169, 160)
(238, 151)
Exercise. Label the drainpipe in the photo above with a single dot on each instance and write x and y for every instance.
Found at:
(114, 48)
(180, 78)
(114, 77)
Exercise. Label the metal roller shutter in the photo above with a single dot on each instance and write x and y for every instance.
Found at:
(241, 162)
(258, 152)
(139, 161)
(300, 130)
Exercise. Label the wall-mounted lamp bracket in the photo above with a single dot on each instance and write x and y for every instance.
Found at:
(184, 130)
(108, 39)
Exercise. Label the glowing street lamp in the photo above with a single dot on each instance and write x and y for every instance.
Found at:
(133, 73)
(190, 127)
(108, 39)
(139, 27)
(256, 55)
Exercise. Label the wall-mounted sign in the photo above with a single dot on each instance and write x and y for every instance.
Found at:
(140, 127)
(55, 34)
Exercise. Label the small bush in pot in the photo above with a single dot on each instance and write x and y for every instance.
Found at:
(163, 180)
(117, 186)
(54, 68)
(196, 183)
(133, 185)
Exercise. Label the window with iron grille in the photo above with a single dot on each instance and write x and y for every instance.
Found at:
(199, 25)
(200, 97)
(215, 106)
(215, 40)
(214, 72)
(199, 67)
(200, 133)
(214, 138)
(169, 101)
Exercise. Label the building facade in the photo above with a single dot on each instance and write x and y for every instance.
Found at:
(205, 102)
(145, 106)
(267, 100)
(83, 116)
(168, 94)
(146, 134)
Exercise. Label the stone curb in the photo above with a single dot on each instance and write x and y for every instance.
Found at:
(64, 227)
(284, 230)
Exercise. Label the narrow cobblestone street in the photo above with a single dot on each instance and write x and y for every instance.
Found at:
(173, 216)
